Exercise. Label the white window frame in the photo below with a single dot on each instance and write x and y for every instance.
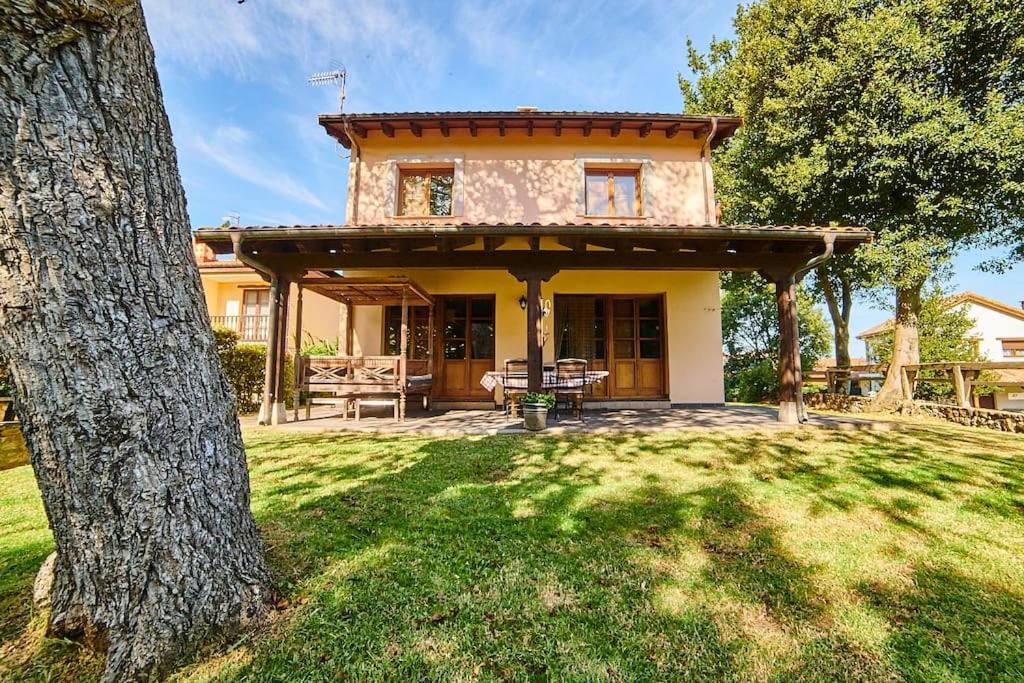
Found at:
(410, 162)
(642, 164)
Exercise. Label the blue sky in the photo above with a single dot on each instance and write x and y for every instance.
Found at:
(244, 119)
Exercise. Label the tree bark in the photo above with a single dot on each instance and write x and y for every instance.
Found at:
(905, 346)
(129, 421)
(839, 305)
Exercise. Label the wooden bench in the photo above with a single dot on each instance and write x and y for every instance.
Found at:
(361, 379)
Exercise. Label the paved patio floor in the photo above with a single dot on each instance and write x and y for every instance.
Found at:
(378, 420)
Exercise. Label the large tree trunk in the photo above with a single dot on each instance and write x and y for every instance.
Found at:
(129, 421)
(840, 305)
(905, 346)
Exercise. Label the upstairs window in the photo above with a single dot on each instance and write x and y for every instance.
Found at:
(1013, 348)
(613, 191)
(426, 191)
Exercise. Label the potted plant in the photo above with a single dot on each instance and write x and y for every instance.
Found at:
(535, 406)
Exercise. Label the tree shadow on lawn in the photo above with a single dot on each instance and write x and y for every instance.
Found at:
(949, 626)
(493, 558)
(514, 558)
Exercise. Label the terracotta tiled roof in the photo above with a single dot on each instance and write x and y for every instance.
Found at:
(949, 302)
(340, 125)
(636, 225)
(1008, 376)
(825, 363)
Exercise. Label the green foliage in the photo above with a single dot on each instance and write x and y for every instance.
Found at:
(750, 333)
(224, 339)
(540, 397)
(900, 115)
(245, 367)
(5, 382)
(319, 347)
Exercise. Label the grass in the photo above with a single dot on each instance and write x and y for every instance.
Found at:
(812, 556)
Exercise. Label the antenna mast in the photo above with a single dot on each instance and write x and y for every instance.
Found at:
(334, 77)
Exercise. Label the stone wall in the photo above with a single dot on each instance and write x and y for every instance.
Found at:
(1002, 420)
(840, 403)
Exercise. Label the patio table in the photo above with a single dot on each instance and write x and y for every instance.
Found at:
(492, 379)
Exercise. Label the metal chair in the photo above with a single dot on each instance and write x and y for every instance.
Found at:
(513, 384)
(571, 384)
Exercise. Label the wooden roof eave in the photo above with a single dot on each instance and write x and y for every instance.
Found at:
(211, 235)
(341, 126)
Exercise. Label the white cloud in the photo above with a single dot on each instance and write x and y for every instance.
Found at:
(261, 39)
(229, 147)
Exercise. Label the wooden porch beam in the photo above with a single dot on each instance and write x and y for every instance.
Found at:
(561, 259)
(416, 129)
(387, 129)
(533, 277)
(790, 380)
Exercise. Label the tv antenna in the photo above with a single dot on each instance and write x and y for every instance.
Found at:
(333, 77)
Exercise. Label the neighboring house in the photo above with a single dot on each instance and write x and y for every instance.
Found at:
(600, 227)
(999, 332)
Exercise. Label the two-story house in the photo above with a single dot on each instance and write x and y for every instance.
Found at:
(520, 234)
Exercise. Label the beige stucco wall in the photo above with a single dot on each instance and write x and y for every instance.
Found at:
(322, 318)
(693, 317)
(517, 178)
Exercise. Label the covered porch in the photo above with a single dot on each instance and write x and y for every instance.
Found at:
(319, 257)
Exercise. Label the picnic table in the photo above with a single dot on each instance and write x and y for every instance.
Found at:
(518, 380)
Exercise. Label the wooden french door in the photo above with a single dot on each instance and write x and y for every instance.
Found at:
(628, 341)
(466, 343)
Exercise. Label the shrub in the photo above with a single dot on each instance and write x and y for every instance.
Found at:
(244, 366)
(539, 397)
(5, 382)
(320, 347)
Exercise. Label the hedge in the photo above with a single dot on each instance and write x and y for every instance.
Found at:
(244, 366)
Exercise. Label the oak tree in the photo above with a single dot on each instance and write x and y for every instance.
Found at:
(130, 424)
(903, 116)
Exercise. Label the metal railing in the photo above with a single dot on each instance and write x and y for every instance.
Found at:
(250, 328)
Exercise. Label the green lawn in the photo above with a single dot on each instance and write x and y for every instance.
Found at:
(812, 555)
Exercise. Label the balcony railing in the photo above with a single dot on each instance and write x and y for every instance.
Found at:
(250, 328)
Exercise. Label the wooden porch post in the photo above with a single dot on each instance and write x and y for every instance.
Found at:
(349, 329)
(278, 409)
(533, 277)
(270, 366)
(403, 349)
(428, 398)
(790, 380)
(534, 336)
(297, 383)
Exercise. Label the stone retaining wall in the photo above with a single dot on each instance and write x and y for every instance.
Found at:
(840, 403)
(1002, 420)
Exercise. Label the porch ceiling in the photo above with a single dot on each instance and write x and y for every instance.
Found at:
(298, 249)
(365, 291)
